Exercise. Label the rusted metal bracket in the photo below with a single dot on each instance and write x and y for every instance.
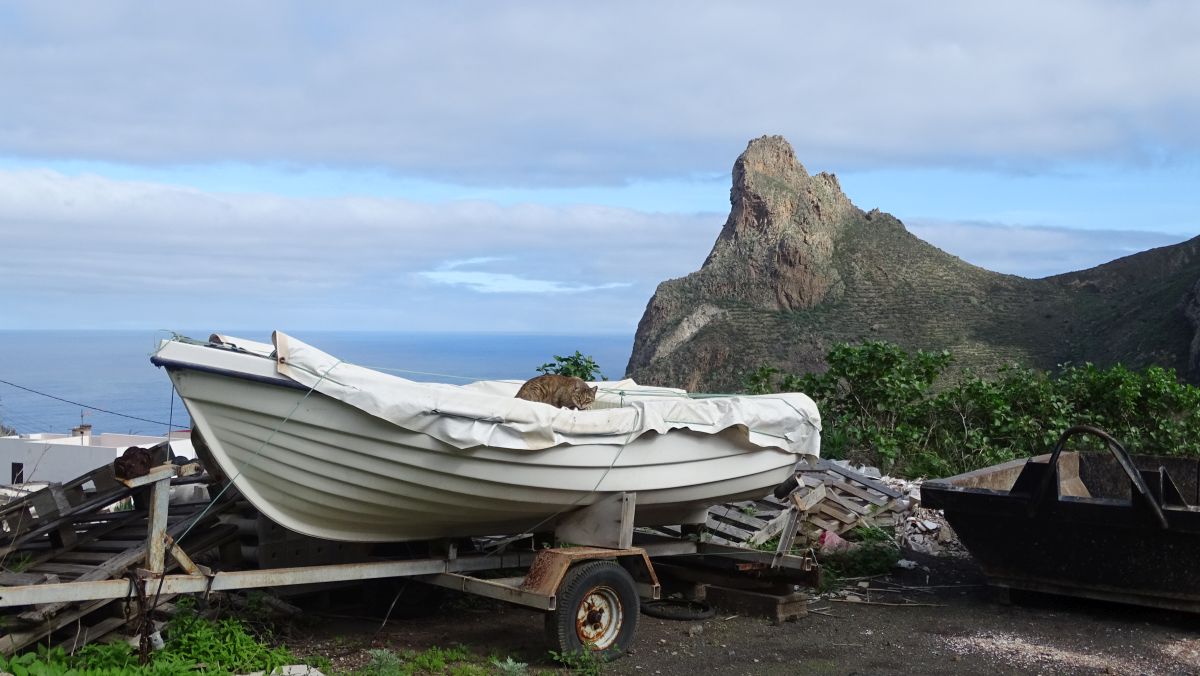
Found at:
(550, 565)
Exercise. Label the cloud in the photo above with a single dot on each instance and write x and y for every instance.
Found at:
(95, 252)
(544, 93)
(450, 273)
(1035, 251)
(468, 262)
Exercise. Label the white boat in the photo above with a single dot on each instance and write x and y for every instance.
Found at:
(341, 452)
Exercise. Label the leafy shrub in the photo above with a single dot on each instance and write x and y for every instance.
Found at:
(884, 406)
(224, 647)
(573, 365)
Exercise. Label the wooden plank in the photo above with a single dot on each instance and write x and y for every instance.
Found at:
(830, 510)
(772, 500)
(729, 530)
(768, 505)
(669, 531)
(110, 545)
(811, 480)
(864, 480)
(825, 524)
(878, 500)
(15, 641)
(737, 516)
(64, 568)
(810, 500)
(73, 555)
(847, 504)
(777, 608)
(9, 579)
(52, 616)
(680, 570)
(45, 527)
(91, 533)
(773, 528)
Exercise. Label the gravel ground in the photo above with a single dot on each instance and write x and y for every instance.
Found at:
(960, 630)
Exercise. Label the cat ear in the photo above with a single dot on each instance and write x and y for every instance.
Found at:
(594, 389)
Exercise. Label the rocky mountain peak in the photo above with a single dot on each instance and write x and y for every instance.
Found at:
(797, 268)
(783, 222)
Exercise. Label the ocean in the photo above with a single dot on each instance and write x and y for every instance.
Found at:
(111, 370)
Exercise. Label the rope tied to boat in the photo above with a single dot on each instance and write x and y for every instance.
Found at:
(266, 442)
(139, 584)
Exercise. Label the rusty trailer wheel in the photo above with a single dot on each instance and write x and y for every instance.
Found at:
(597, 609)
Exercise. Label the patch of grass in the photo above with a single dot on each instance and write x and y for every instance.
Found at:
(509, 667)
(871, 534)
(19, 563)
(584, 662)
(222, 647)
(867, 560)
(456, 661)
(382, 663)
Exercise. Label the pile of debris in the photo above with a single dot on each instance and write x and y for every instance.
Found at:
(833, 497)
(90, 529)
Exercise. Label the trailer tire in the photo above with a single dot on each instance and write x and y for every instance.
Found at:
(596, 609)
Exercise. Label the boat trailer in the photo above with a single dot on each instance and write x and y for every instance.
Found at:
(590, 591)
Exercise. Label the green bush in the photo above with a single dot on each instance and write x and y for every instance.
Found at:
(898, 411)
(576, 365)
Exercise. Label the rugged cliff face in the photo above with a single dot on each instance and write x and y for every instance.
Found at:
(798, 268)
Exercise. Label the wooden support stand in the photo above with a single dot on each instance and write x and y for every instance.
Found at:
(608, 522)
(774, 607)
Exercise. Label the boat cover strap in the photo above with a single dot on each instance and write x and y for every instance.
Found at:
(487, 413)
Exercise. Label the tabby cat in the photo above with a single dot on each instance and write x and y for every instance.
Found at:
(556, 390)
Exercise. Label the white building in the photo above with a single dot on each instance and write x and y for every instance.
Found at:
(26, 458)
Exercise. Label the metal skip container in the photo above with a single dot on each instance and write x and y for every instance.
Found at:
(1107, 526)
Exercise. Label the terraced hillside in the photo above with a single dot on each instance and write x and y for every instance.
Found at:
(797, 268)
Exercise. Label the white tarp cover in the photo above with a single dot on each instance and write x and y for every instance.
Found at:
(487, 413)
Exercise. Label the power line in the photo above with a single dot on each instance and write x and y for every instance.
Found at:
(93, 408)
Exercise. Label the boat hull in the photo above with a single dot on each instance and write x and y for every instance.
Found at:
(325, 469)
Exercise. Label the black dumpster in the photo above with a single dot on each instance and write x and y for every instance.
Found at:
(1099, 525)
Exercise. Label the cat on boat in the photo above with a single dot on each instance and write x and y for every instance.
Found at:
(558, 390)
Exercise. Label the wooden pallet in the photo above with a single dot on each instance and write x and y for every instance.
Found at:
(830, 498)
(41, 512)
(65, 534)
(850, 499)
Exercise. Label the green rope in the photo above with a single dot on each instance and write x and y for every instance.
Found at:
(257, 452)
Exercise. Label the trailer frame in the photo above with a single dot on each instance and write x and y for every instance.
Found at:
(606, 528)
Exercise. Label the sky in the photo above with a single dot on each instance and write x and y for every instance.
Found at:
(541, 166)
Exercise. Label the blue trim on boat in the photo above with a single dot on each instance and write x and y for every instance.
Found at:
(171, 364)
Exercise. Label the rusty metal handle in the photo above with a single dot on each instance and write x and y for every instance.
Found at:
(1118, 452)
